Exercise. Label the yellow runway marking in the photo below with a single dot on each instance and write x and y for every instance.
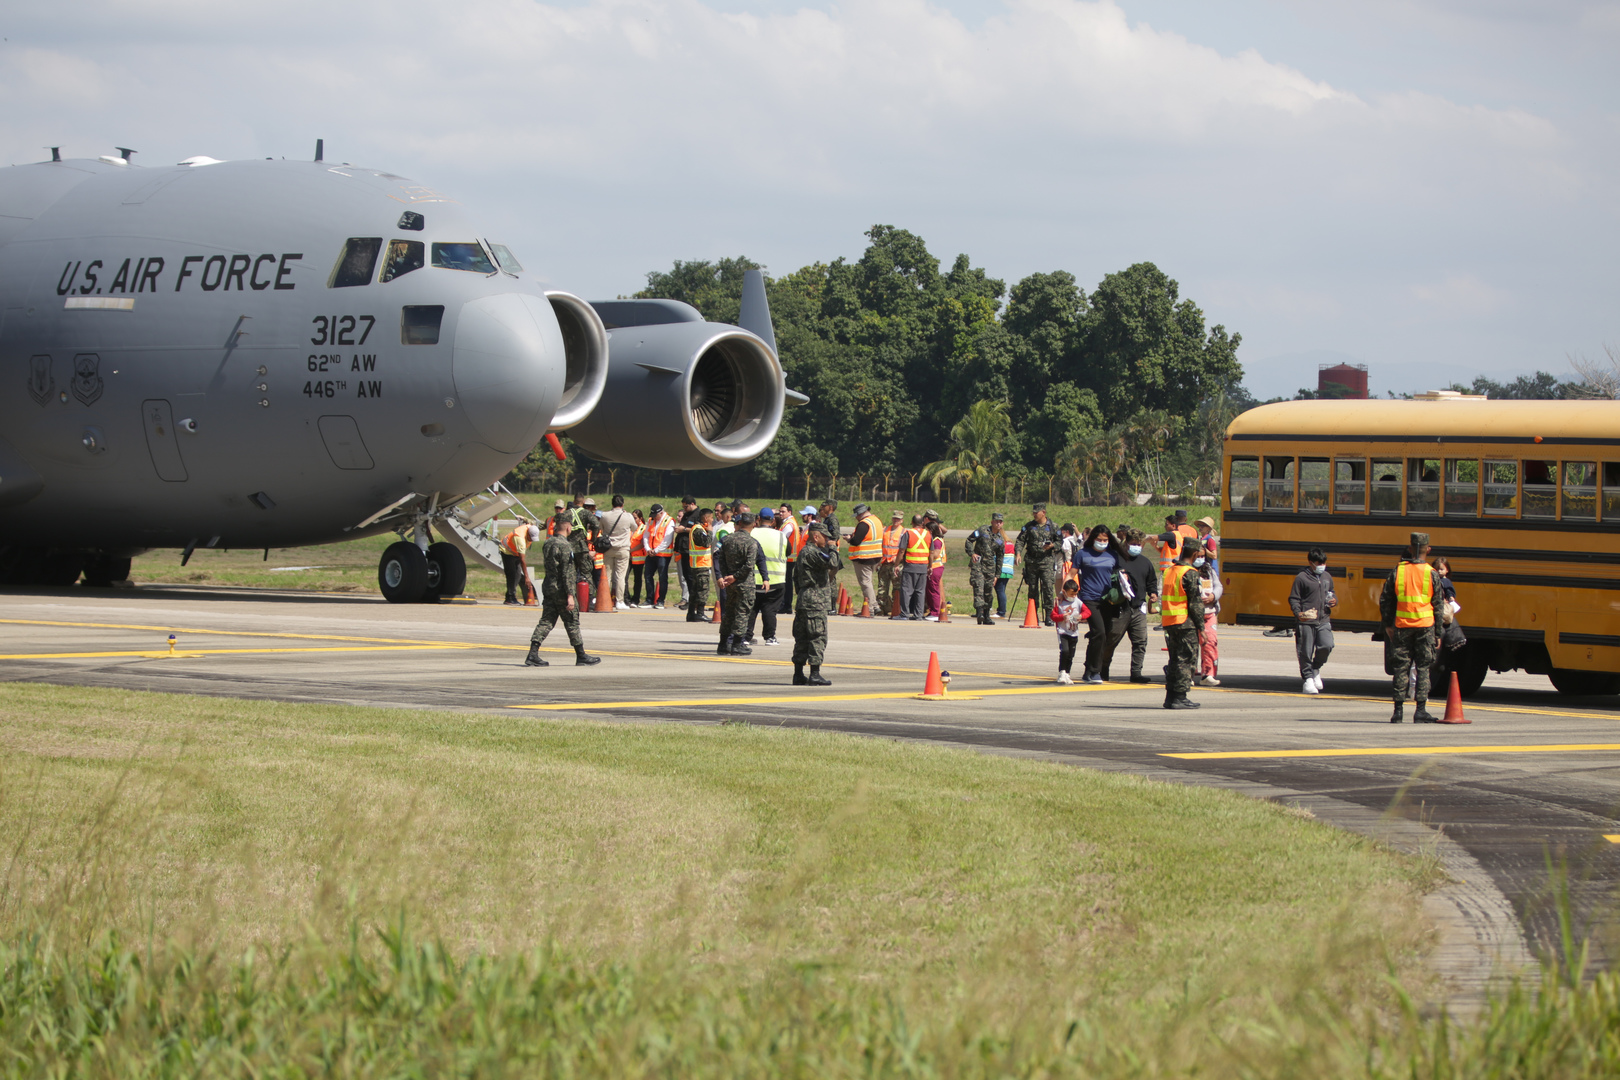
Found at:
(1529, 710)
(1547, 748)
(966, 694)
(431, 644)
(1613, 838)
(180, 654)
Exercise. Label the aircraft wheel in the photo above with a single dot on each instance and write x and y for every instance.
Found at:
(402, 575)
(1567, 681)
(102, 570)
(446, 572)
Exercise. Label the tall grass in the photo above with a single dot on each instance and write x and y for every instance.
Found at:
(202, 887)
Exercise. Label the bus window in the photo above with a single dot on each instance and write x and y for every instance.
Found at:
(1279, 483)
(1462, 487)
(1386, 487)
(1422, 486)
(1315, 477)
(1350, 485)
(1580, 490)
(1243, 486)
(1611, 490)
(1501, 488)
(1540, 489)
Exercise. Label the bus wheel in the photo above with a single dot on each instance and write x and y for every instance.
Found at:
(1566, 681)
(1472, 667)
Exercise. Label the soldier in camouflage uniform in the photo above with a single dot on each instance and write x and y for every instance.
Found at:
(736, 562)
(1181, 639)
(985, 548)
(1040, 547)
(557, 596)
(814, 575)
(1409, 606)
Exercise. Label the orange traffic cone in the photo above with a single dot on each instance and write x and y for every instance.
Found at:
(843, 601)
(894, 608)
(1031, 621)
(604, 591)
(716, 608)
(945, 612)
(1454, 710)
(933, 686)
(866, 609)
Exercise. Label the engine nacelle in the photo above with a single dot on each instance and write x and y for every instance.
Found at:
(682, 393)
(585, 349)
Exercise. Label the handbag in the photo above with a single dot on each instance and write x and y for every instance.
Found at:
(601, 545)
(1114, 595)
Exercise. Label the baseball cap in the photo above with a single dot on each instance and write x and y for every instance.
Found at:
(590, 503)
(559, 505)
(766, 514)
(898, 514)
(808, 510)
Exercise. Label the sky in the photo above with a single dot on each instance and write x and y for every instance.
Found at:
(1427, 187)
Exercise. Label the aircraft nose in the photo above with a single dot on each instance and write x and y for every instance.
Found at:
(508, 365)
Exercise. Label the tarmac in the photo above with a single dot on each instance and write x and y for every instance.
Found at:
(1533, 780)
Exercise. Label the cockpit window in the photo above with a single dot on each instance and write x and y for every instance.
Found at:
(403, 257)
(462, 257)
(504, 256)
(355, 265)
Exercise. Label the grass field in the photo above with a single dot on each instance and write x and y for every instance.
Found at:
(351, 566)
(202, 887)
(201, 880)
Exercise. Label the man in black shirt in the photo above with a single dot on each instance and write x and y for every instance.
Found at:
(1140, 578)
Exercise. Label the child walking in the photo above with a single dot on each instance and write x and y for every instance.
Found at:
(1069, 614)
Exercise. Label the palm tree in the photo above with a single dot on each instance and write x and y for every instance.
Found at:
(976, 443)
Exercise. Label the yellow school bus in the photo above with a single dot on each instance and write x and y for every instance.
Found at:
(1522, 497)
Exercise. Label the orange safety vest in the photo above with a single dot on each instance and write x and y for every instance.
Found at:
(657, 529)
(596, 559)
(1168, 555)
(1414, 595)
(551, 525)
(936, 553)
(917, 546)
(1188, 531)
(517, 542)
(795, 538)
(1173, 603)
(700, 556)
(638, 545)
(872, 546)
(891, 543)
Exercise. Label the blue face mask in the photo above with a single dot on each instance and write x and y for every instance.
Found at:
(1135, 549)
(1100, 545)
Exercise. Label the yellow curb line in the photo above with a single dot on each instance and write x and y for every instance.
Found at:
(1549, 748)
(804, 699)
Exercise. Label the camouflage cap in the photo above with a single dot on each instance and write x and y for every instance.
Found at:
(1189, 546)
(897, 515)
(1037, 508)
(998, 516)
(1419, 541)
(590, 503)
(562, 519)
(816, 527)
(931, 514)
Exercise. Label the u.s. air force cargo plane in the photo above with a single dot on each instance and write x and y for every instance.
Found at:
(256, 354)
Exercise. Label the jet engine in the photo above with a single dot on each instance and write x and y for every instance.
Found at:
(682, 393)
(585, 350)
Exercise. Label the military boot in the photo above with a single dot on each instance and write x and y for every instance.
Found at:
(725, 646)
(583, 659)
(1399, 715)
(815, 676)
(739, 647)
(533, 659)
(1180, 701)
(1423, 715)
(798, 676)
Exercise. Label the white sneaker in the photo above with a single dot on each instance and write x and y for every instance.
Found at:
(1064, 680)
(621, 606)
(1318, 681)
(1208, 680)
(770, 641)
(932, 618)
(1310, 686)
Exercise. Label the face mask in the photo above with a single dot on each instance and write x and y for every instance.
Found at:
(1135, 549)
(1198, 562)
(1100, 545)
(1318, 569)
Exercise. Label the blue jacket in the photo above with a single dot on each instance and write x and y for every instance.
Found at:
(1095, 572)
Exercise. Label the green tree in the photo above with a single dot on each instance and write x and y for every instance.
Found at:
(976, 440)
(1144, 348)
(714, 288)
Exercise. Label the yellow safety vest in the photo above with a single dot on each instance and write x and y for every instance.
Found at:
(917, 546)
(872, 546)
(936, 555)
(638, 545)
(702, 558)
(774, 546)
(1173, 604)
(1414, 595)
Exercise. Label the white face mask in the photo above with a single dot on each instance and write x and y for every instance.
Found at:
(1100, 545)
(1198, 562)
(1318, 569)
(1135, 549)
